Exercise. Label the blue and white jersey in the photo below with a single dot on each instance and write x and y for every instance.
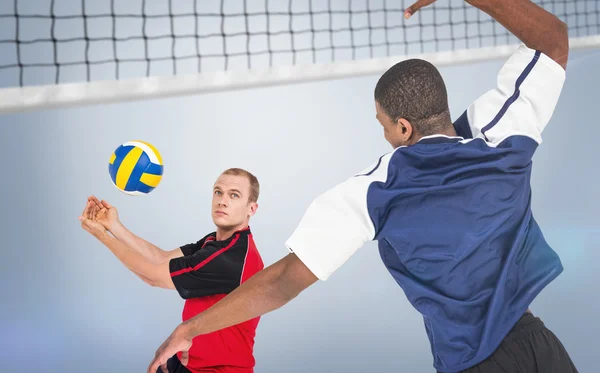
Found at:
(452, 217)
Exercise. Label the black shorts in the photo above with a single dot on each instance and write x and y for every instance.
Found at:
(530, 347)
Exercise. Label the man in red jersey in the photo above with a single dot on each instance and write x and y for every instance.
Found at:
(203, 272)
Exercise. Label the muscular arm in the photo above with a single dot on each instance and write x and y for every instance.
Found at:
(537, 28)
(264, 292)
(532, 24)
(151, 253)
(316, 254)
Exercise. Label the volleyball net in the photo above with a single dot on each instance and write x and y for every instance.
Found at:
(57, 53)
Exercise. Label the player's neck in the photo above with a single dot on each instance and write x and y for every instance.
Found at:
(225, 233)
(448, 131)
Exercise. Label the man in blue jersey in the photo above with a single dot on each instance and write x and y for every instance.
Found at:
(450, 207)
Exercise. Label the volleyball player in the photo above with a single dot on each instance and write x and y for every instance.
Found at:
(450, 207)
(203, 272)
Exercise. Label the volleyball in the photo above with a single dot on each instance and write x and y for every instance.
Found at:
(135, 168)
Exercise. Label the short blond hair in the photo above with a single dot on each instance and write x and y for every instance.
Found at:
(254, 185)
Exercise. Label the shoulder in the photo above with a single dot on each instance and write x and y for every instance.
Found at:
(238, 239)
(209, 236)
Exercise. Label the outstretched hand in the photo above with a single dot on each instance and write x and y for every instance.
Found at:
(416, 6)
(177, 341)
(88, 220)
(105, 213)
(98, 217)
(423, 3)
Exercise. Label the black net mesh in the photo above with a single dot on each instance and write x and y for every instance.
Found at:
(64, 41)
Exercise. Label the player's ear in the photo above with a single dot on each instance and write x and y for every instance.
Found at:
(253, 207)
(404, 128)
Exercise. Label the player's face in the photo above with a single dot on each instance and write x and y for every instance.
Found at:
(230, 206)
(394, 133)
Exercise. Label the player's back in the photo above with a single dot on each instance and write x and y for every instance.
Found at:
(452, 216)
(455, 230)
(458, 233)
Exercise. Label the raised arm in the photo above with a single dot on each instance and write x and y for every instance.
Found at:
(537, 28)
(530, 82)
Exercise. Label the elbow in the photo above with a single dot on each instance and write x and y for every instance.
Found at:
(560, 52)
(163, 283)
(286, 294)
(279, 287)
(149, 282)
(160, 285)
(563, 38)
(154, 282)
(294, 278)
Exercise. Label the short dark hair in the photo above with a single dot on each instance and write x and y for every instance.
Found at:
(414, 90)
(254, 185)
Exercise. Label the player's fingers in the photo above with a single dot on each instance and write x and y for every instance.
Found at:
(416, 6)
(99, 203)
(159, 359)
(96, 201)
(89, 210)
(98, 210)
(95, 210)
(88, 224)
(153, 367)
(106, 204)
(185, 356)
(86, 208)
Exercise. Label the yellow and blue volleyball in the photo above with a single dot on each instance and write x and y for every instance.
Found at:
(136, 167)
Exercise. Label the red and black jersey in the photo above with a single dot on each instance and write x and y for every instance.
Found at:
(208, 271)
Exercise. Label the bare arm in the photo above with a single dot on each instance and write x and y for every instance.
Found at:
(149, 250)
(107, 215)
(264, 292)
(152, 255)
(532, 24)
(154, 274)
